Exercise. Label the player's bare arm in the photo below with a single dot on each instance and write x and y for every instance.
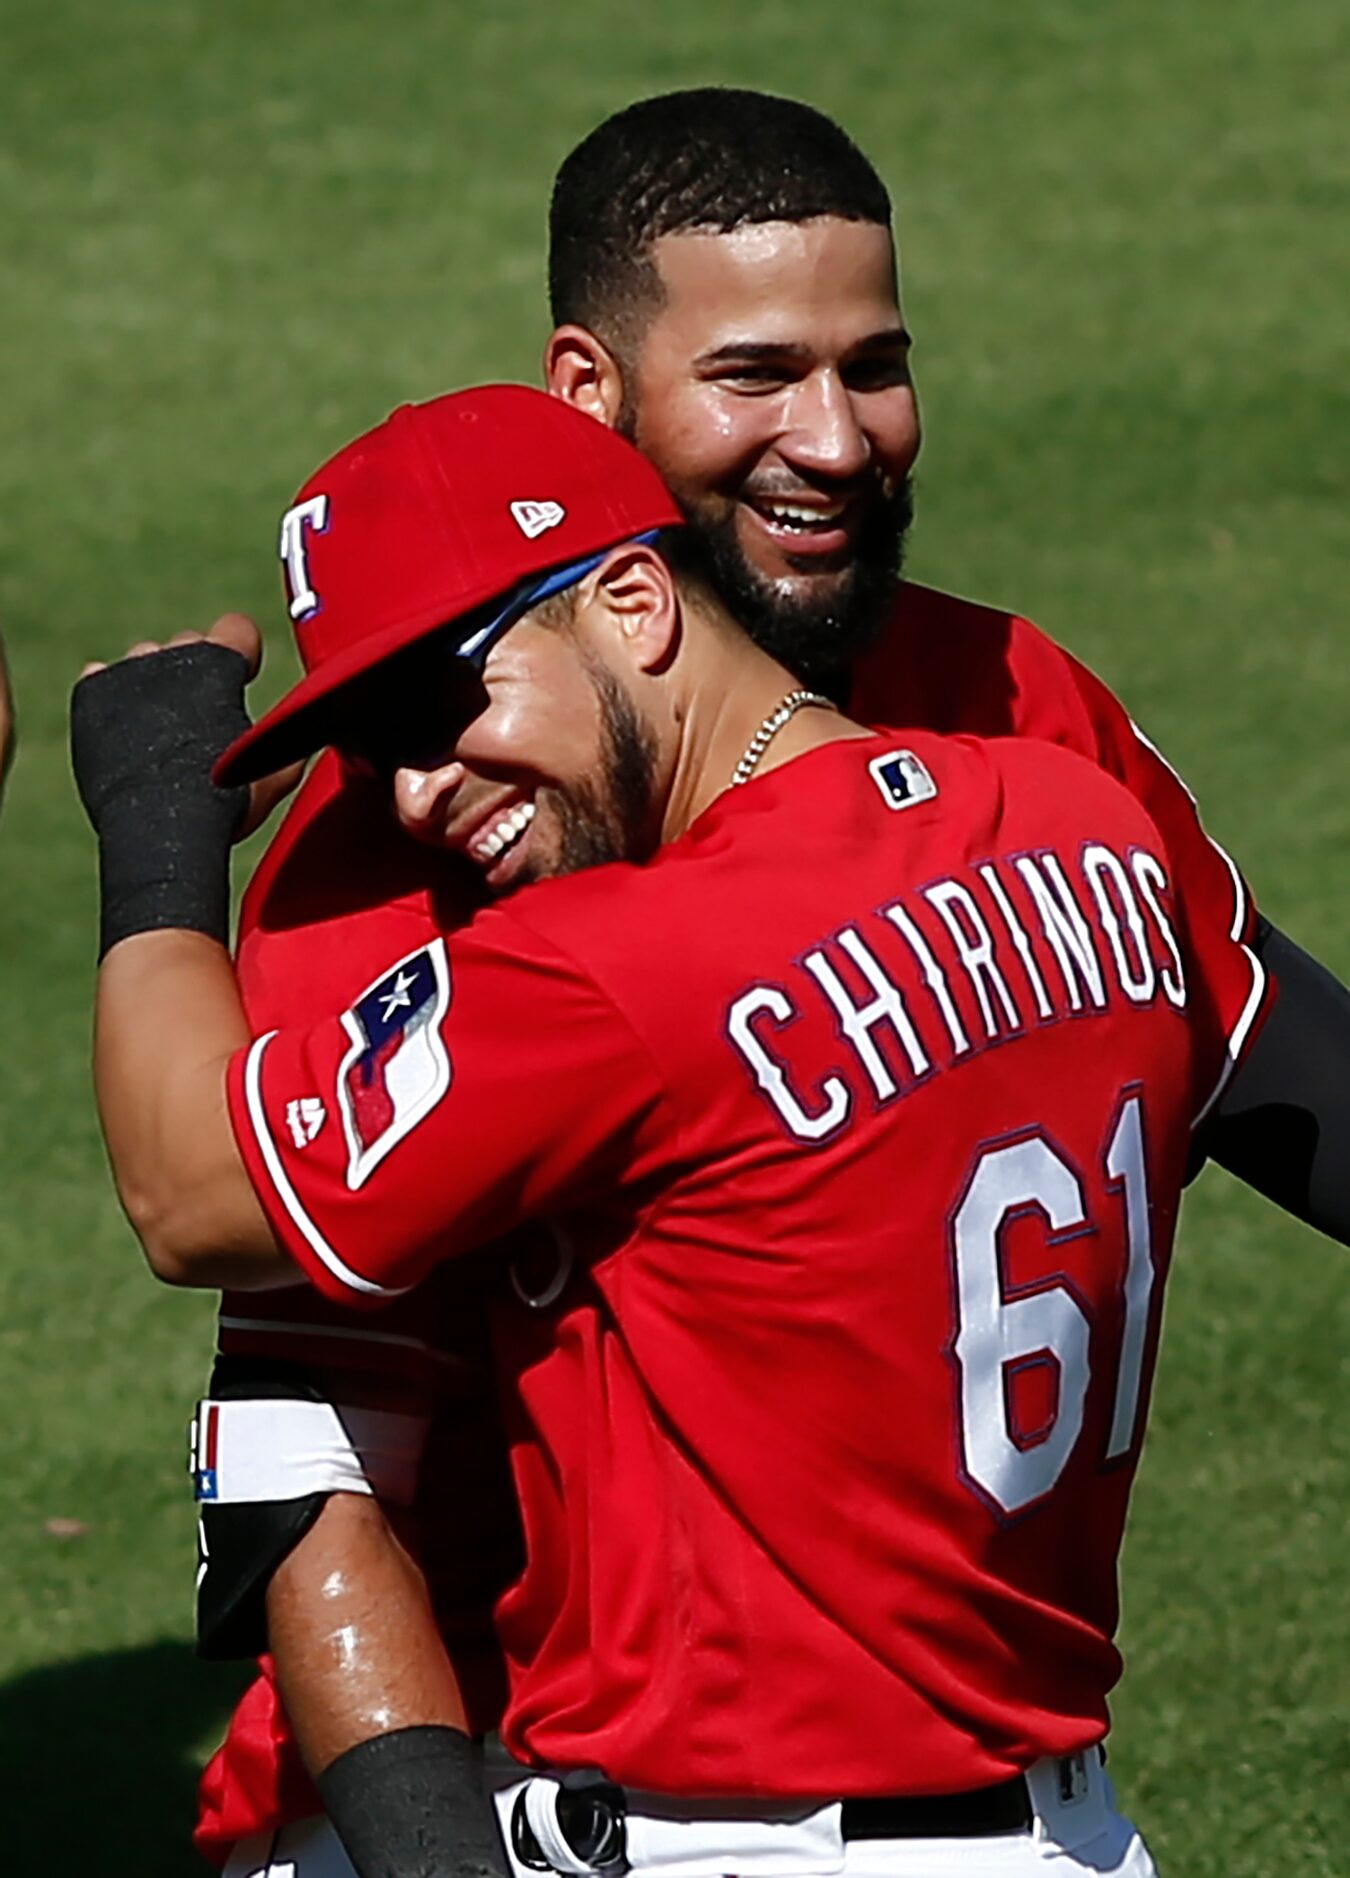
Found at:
(168, 1015)
(348, 1615)
(165, 1119)
(352, 1629)
(374, 1702)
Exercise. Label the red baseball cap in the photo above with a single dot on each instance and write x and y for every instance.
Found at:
(441, 509)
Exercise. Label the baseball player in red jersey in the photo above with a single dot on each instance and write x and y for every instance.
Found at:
(941, 661)
(956, 665)
(804, 1128)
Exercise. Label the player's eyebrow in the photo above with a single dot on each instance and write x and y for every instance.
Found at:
(787, 352)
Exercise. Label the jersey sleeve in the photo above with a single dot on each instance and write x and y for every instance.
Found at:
(1218, 916)
(330, 902)
(476, 1083)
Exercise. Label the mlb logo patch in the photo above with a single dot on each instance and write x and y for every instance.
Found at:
(902, 779)
(398, 1067)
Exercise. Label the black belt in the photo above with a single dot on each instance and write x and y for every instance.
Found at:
(591, 1817)
(1004, 1807)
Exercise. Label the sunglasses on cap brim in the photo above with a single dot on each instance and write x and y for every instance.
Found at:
(430, 692)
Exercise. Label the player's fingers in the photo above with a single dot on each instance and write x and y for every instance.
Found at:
(266, 794)
(94, 665)
(142, 649)
(185, 639)
(238, 632)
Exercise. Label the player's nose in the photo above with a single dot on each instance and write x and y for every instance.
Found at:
(423, 797)
(825, 433)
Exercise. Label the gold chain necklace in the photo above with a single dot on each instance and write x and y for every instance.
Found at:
(782, 713)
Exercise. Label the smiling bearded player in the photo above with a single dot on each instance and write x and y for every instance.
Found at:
(821, 1540)
(723, 281)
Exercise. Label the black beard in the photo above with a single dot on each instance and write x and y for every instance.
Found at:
(818, 637)
(611, 818)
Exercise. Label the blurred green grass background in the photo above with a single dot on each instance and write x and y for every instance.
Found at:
(234, 235)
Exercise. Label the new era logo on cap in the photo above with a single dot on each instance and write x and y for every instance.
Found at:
(536, 518)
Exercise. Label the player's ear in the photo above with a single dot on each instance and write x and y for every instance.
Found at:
(581, 370)
(636, 604)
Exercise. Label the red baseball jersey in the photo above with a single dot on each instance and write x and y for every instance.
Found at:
(870, 1165)
(336, 899)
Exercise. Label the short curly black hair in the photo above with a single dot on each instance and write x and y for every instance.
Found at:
(713, 159)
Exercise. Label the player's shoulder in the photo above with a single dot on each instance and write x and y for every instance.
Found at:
(333, 855)
(959, 665)
(970, 773)
(553, 927)
(951, 623)
(336, 897)
(959, 791)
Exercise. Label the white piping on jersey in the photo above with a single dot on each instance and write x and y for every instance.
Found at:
(286, 1193)
(1239, 891)
(283, 1328)
(1238, 1036)
(1239, 1033)
(1172, 771)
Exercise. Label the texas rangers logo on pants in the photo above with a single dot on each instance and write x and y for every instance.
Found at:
(398, 1067)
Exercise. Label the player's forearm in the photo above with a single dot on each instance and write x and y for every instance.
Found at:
(167, 1020)
(374, 1702)
(351, 1628)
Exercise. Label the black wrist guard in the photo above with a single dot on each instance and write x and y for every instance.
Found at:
(413, 1804)
(143, 735)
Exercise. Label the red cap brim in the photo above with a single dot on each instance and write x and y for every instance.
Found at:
(296, 726)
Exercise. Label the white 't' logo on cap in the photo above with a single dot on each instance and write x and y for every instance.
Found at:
(536, 518)
(293, 551)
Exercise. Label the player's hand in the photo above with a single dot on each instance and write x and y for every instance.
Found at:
(237, 633)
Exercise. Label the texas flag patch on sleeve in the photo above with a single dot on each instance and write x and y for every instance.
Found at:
(397, 1068)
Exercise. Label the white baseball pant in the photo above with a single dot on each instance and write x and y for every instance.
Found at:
(1084, 1835)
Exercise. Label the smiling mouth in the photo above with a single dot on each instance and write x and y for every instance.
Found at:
(501, 834)
(801, 518)
(815, 525)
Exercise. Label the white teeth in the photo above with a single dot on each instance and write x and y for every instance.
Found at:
(795, 516)
(504, 833)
